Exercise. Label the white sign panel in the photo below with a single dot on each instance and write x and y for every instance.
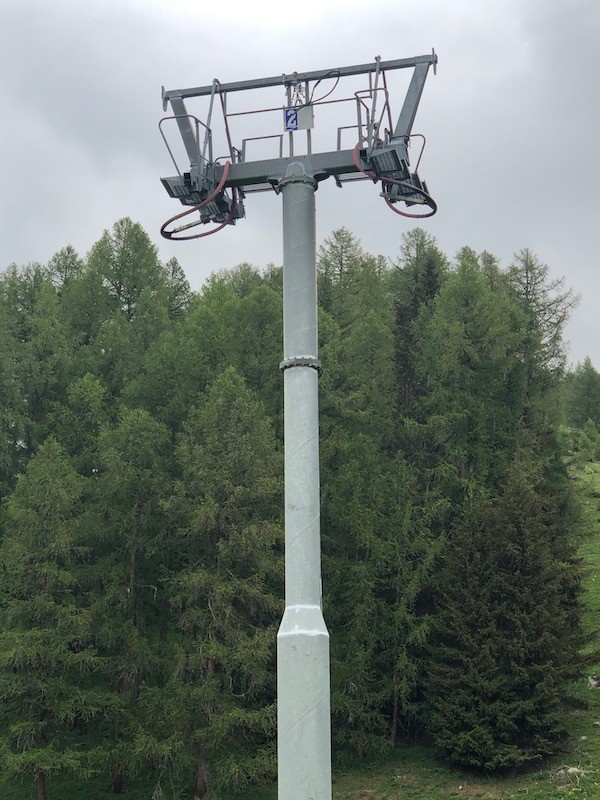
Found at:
(298, 118)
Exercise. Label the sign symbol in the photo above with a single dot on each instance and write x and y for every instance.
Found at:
(291, 119)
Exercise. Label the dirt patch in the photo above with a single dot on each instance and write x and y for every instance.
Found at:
(366, 794)
(468, 790)
(408, 778)
(472, 790)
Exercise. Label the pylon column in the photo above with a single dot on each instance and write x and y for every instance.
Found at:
(303, 704)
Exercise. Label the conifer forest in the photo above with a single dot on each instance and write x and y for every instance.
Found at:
(141, 550)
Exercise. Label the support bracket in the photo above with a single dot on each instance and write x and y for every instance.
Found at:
(302, 361)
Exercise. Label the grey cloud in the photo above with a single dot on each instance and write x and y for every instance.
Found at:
(510, 119)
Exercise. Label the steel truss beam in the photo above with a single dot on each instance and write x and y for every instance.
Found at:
(297, 77)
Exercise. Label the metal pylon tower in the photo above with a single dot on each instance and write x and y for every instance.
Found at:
(214, 190)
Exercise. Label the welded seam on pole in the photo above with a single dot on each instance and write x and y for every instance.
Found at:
(291, 455)
(298, 246)
(306, 286)
(305, 330)
(304, 529)
(305, 714)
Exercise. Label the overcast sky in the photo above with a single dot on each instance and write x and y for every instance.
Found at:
(512, 121)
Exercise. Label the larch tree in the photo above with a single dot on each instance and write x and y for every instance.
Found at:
(226, 592)
(41, 349)
(49, 667)
(64, 267)
(77, 421)
(339, 260)
(546, 305)
(12, 401)
(584, 395)
(374, 558)
(151, 418)
(468, 350)
(130, 606)
(413, 283)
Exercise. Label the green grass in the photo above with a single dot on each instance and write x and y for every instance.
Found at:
(590, 549)
(414, 774)
(68, 788)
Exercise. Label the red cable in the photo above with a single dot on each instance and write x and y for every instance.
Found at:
(169, 234)
(388, 181)
(200, 235)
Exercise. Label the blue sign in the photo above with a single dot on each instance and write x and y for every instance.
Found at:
(291, 119)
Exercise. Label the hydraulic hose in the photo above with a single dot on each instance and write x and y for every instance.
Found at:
(427, 199)
(219, 188)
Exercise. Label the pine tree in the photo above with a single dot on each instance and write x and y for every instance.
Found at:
(180, 294)
(507, 639)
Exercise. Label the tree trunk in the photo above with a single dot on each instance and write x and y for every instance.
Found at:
(394, 723)
(131, 584)
(360, 748)
(201, 782)
(201, 776)
(118, 779)
(40, 780)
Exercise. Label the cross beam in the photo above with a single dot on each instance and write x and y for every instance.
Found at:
(272, 170)
(296, 77)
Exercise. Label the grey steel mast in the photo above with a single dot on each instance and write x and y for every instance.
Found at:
(303, 695)
(303, 714)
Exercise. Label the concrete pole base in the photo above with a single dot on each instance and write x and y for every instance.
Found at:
(303, 712)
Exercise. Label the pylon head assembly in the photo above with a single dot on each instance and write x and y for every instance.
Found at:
(215, 187)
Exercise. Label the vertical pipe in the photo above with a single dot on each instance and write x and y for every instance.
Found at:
(303, 706)
(290, 133)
